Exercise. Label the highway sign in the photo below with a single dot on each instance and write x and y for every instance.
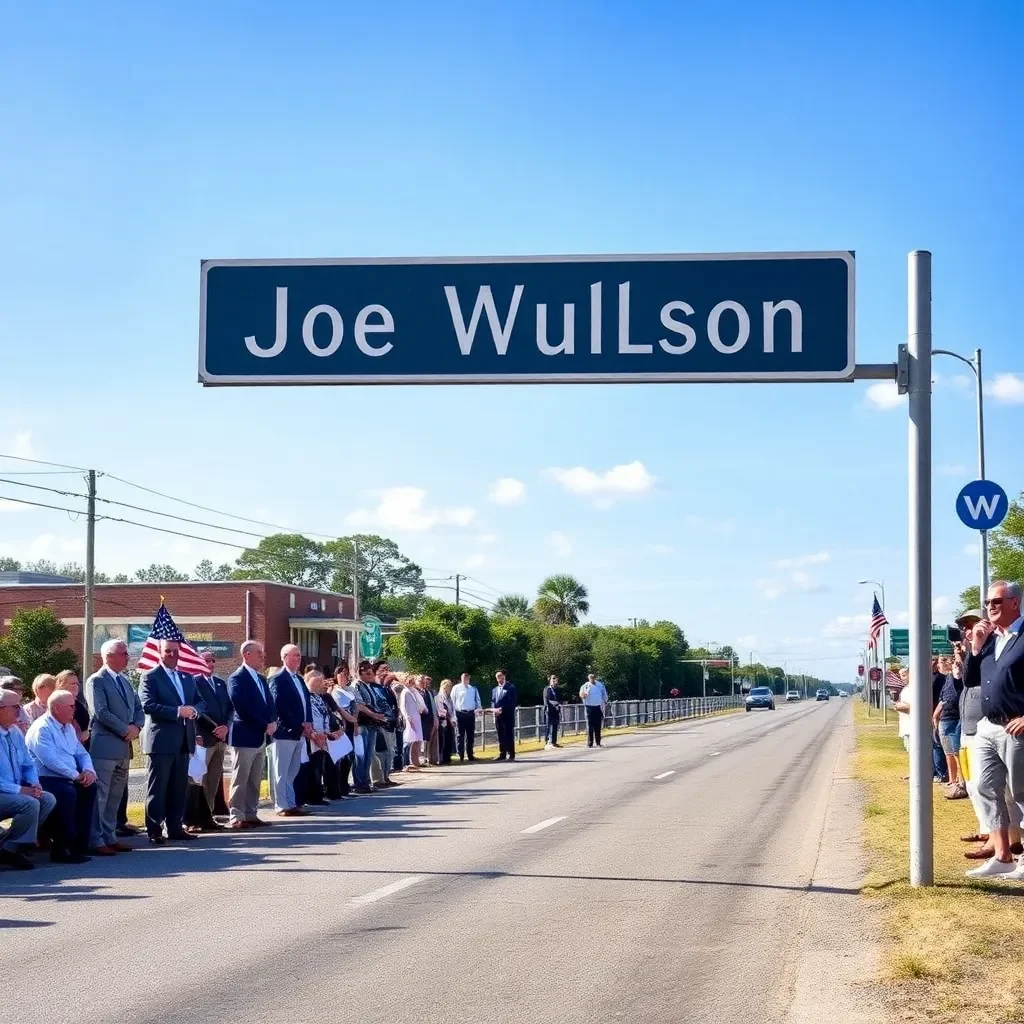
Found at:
(528, 319)
(371, 641)
(899, 642)
(982, 505)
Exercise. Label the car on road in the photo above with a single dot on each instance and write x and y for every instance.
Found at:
(761, 697)
(792, 695)
(821, 695)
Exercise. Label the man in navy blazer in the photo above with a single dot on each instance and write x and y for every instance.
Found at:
(253, 724)
(996, 664)
(211, 734)
(294, 727)
(505, 700)
(171, 705)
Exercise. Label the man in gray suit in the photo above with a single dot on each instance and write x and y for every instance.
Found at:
(172, 705)
(117, 720)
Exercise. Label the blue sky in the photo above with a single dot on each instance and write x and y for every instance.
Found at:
(138, 141)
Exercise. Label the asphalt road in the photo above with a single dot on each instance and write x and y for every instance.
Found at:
(704, 871)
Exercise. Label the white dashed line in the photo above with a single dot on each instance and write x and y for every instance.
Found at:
(387, 890)
(546, 823)
(664, 775)
(716, 753)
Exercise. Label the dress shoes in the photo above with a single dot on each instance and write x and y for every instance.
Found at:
(17, 861)
(127, 831)
(66, 857)
(258, 823)
(157, 840)
(107, 850)
(122, 848)
(182, 836)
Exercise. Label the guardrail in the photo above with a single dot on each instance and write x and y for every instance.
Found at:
(531, 722)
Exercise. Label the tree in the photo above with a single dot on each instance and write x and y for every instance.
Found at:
(285, 558)
(41, 565)
(384, 572)
(512, 606)
(9, 565)
(566, 652)
(514, 639)
(472, 631)
(34, 643)
(400, 606)
(561, 600)
(429, 646)
(209, 573)
(157, 573)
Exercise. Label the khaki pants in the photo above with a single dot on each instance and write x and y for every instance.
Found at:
(248, 766)
(213, 779)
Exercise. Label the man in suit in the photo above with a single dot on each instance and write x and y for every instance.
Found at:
(117, 719)
(996, 663)
(211, 734)
(172, 705)
(294, 727)
(553, 705)
(504, 700)
(253, 724)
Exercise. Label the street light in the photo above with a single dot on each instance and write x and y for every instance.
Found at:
(975, 365)
(881, 696)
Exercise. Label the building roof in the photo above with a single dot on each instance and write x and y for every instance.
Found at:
(41, 580)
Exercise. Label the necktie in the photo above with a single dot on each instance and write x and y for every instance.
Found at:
(123, 687)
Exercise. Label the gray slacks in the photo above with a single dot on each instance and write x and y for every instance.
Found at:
(111, 782)
(214, 771)
(247, 770)
(27, 814)
(1000, 774)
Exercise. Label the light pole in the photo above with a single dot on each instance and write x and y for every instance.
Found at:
(885, 630)
(975, 365)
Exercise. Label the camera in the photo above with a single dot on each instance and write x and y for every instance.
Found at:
(954, 634)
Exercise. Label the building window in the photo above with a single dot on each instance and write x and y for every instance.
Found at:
(308, 642)
(341, 610)
(323, 604)
(291, 600)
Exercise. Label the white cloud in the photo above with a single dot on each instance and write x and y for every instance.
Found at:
(883, 395)
(973, 548)
(626, 481)
(846, 626)
(662, 549)
(475, 561)
(1007, 388)
(770, 589)
(45, 545)
(818, 558)
(487, 538)
(507, 491)
(561, 543)
(13, 506)
(942, 608)
(406, 508)
(951, 469)
(804, 582)
(962, 382)
(21, 445)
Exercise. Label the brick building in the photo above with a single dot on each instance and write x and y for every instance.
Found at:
(217, 615)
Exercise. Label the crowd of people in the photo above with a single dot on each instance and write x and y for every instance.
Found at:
(978, 729)
(316, 735)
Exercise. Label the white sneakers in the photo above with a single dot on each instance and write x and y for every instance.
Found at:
(992, 868)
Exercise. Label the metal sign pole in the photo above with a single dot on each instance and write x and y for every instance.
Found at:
(919, 351)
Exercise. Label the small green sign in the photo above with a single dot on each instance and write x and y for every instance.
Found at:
(371, 642)
(899, 642)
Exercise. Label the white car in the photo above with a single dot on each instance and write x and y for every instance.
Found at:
(792, 695)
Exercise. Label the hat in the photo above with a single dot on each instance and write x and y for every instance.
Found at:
(5, 671)
(9, 699)
(971, 613)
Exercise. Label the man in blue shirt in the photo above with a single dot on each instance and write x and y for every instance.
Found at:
(21, 797)
(65, 771)
(595, 698)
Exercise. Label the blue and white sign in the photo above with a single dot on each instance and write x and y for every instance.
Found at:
(982, 505)
(528, 319)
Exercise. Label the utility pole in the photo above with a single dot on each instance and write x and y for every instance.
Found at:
(355, 578)
(458, 577)
(90, 578)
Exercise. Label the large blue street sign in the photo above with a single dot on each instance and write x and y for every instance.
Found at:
(524, 319)
(982, 505)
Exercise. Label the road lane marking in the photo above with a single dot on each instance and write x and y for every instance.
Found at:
(665, 775)
(386, 890)
(546, 823)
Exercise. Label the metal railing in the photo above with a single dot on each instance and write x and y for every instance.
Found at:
(531, 722)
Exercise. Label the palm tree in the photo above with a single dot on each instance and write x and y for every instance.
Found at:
(561, 600)
(512, 606)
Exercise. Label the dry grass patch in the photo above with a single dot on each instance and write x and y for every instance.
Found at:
(954, 952)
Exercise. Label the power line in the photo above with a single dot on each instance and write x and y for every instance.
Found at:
(43, 462)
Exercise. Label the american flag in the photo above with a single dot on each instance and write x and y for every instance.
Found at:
(164, 628)
(878, 620)
(893, 679)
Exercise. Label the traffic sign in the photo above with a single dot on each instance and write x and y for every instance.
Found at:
(899, 642)
(371, 641)
(982, 505)
(528, 319)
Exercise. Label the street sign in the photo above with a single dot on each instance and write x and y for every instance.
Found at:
(875, 675)
(982, 505)
(371, 642)
(528, 319)
(716, 663)
(899, 642)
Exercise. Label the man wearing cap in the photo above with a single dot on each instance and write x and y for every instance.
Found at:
(996, 663)
(65, 770)
(22, 799)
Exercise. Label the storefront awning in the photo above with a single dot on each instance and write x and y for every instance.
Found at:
(332, 625)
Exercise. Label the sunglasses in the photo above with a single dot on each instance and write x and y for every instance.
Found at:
(993, 602)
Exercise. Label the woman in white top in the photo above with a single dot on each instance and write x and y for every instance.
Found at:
(412, 707)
